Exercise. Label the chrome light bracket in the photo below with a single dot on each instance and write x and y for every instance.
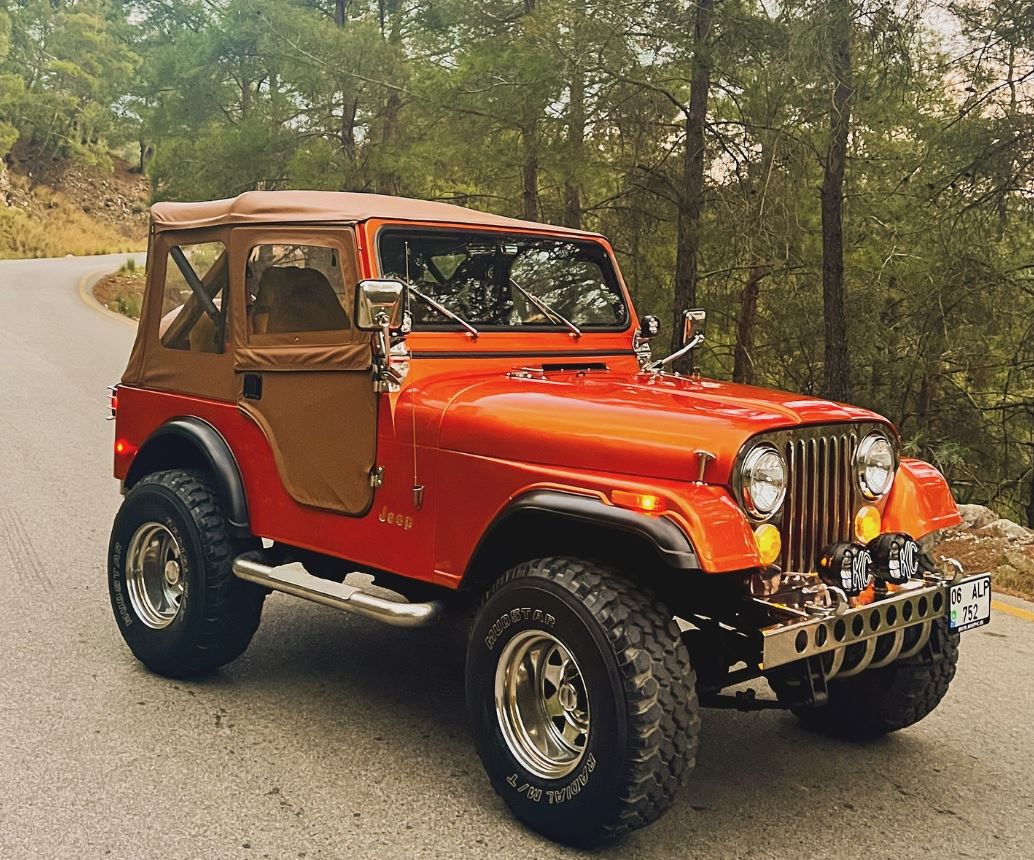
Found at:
(641, 347)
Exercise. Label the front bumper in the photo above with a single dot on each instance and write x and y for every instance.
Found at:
(849, 639)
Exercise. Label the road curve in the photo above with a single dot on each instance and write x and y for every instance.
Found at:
(335, 737)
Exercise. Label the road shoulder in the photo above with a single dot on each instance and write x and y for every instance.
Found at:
(85, 289)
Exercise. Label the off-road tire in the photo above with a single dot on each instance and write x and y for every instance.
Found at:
(879, 701)
(218, 612)
(645, 721)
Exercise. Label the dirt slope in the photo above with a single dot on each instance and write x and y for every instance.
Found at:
(52, 207)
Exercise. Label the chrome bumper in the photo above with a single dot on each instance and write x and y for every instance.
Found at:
(852, 639)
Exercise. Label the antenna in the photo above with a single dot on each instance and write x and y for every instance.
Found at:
(418, 488)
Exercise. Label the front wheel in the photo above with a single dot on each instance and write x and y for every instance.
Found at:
(582, 700)
(879, 701)
(177, 602)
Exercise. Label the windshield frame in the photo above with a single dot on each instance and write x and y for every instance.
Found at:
(609, 269)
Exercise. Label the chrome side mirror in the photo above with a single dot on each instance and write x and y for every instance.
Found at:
(692, 336)
(379, 304)
(693, 322)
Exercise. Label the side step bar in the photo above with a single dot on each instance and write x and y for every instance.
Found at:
(337, 595)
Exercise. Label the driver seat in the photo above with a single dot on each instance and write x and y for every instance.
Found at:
(293, 299)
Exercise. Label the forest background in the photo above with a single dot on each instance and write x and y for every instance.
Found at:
(846, 185)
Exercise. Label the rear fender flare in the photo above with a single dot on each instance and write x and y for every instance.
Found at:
(210, 448)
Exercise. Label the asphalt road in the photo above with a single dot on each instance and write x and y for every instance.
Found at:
(336, 737)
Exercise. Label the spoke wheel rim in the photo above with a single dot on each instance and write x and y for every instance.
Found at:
(154, 575)
(542, 704)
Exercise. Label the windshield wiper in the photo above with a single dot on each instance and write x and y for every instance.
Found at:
(438, 306)
(553, 314)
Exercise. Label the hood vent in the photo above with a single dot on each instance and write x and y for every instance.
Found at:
(543, 370)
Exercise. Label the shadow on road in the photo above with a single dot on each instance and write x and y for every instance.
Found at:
(398, 698)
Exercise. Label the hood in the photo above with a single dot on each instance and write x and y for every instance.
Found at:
(628, 423)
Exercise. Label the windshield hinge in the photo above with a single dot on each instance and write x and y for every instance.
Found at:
(376, 476)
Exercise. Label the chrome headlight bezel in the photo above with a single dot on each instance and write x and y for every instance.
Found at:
(760, 457)
(875, 447)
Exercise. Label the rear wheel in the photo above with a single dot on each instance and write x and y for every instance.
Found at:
(178, 605)
(582, 700)
(879, 701)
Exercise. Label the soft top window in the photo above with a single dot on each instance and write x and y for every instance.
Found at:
(193, 298)
(295, 288)
(505, 281)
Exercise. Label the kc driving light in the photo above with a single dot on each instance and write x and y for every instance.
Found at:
(845, 566)
(895, 558)
(874, 465)
(763, 483)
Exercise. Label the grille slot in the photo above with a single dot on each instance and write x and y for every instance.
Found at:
(820, 495)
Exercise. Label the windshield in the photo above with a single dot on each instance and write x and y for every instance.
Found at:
(505, 281)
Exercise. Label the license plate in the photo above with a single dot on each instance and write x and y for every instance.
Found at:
(970, 603)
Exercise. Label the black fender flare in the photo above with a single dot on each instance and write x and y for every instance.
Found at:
(214, 451)
(671, 542)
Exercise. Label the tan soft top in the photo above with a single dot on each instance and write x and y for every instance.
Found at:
(265, 207)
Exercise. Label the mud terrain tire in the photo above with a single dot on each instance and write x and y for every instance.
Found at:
(217, 614)
(634, 681)
(879, 701)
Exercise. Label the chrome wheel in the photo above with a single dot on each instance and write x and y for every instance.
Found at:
(154, 575)
(541, 704)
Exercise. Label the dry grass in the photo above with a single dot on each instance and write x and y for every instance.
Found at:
(122, 291)
(57, 227)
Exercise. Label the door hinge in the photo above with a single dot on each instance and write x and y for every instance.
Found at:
(377, 476)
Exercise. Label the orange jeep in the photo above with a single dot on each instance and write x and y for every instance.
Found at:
(466, 407)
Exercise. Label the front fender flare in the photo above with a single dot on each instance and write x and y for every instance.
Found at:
(670, 541)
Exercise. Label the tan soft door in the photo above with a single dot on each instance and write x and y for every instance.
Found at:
(304, 373)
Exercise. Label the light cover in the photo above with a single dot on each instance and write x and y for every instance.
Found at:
(763, 481)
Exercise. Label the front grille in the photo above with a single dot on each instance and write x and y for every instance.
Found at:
(820, 495)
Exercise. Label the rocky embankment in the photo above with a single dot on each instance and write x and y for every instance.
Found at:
(987, 542)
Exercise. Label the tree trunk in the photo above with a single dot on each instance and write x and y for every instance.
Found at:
(530, 165)
(743, 366)
(575, 149)
(245, 98)
(691, 200)
(348, 111)
(146, 152)
(386, 178)
(575, 125)
(837, 384)
(349, 105)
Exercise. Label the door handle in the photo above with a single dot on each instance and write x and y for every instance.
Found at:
(252, 386)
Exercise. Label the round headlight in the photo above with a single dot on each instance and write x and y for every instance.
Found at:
(763, 481)
(874, 464)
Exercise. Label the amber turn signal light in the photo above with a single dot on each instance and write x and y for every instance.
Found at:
(769, 543)
(645, 502)
(867, 524)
